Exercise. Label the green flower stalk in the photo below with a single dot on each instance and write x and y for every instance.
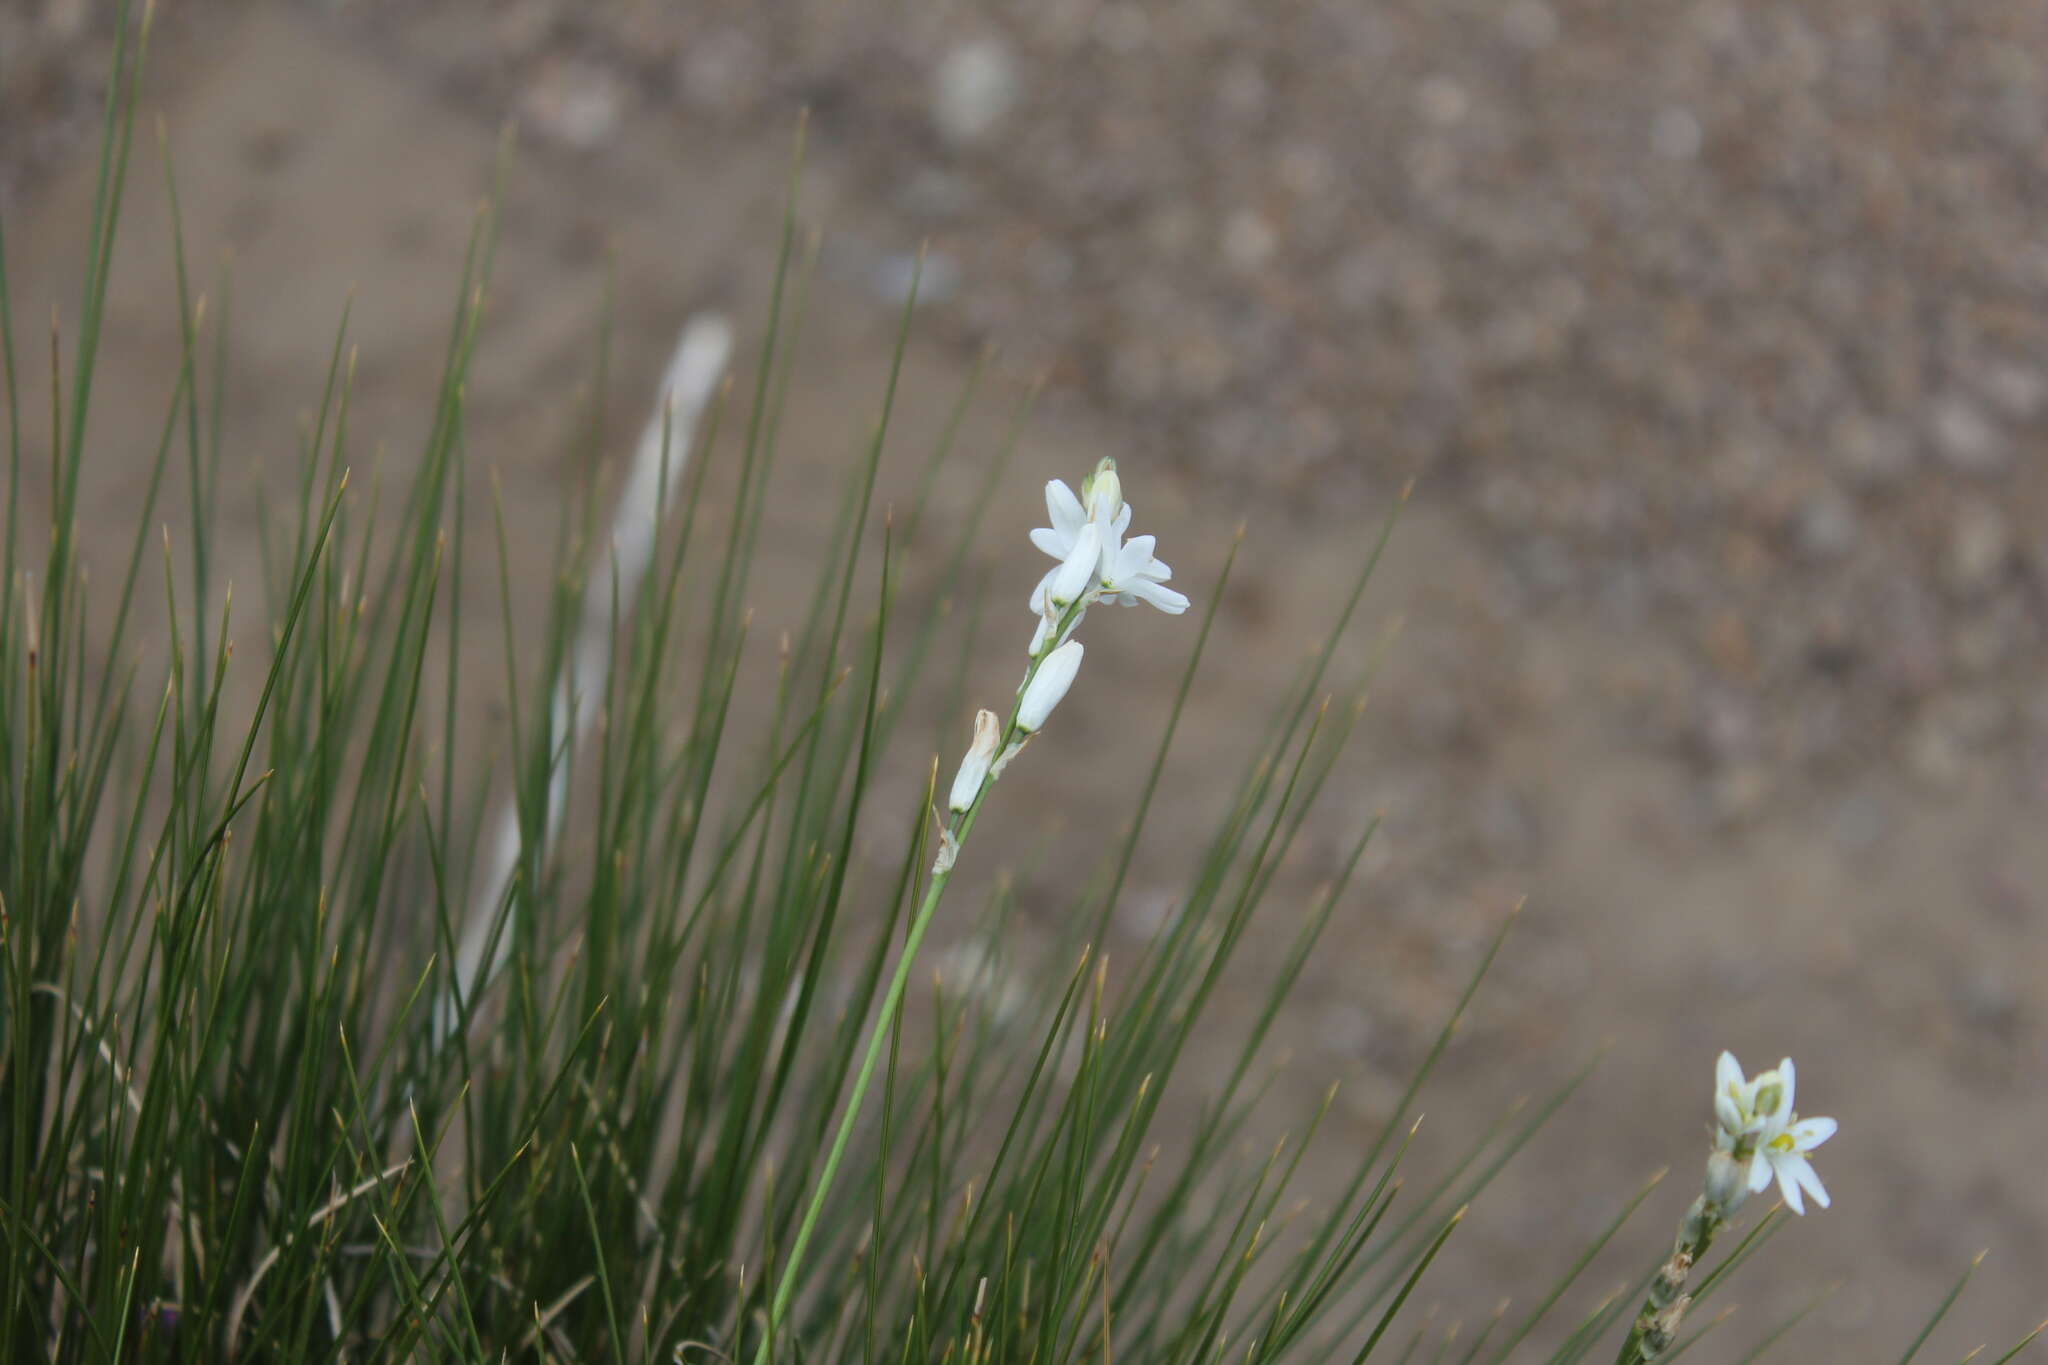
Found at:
(1096, 564)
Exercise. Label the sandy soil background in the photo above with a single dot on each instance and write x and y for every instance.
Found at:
(1712, 332)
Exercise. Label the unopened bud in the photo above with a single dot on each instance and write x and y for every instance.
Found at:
(1727, 1182)
(1102, 493)
(974, 764)
(1050, 683)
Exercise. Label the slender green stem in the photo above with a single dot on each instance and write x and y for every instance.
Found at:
(892, 1000)
(877, 1035)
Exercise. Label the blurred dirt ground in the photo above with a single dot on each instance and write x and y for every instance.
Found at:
(1713, 332)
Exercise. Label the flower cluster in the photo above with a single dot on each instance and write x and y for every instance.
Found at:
(1096, 564)
(1755, 1125)
(1757, 1138)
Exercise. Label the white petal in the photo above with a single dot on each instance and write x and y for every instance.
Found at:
(1727, 1074)
(1064, 508)
(1077, 573)
(1158, 569)
(1122, 521)
(1727, 1114)
(1785, 1070)
(1808, 1134)
(1809, 1180)
(1038, 637)
(1788, 1182)
(1164, 598)
(1759, 1174)
(1038, 593)
(1051, 541)
(1130, 562)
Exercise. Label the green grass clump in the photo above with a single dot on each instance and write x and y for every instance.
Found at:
(295, 1066)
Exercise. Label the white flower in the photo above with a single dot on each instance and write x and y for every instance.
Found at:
(1131, 575)
(1054, 676)
(1743, 1108)
(1734, 1100)
(1756, 1122)
(1069, 518)
(1125, 573)
(1783, 1155)
(988, 733)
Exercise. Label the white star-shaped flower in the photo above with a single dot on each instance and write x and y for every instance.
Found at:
(1070, 519)
(1091, 527)
(1756, 1121)
(1131, 575)
(1734, 1100)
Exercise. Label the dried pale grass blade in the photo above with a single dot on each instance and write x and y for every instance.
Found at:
(687, 388)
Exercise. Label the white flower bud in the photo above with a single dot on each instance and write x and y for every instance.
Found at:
(974, 764)
(1727, 1182)
(1048, 685)
(1102, 493)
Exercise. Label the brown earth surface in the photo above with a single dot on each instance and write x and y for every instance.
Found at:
(1713, 332)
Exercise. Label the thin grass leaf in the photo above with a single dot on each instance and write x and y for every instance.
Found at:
(2022, 1344)
(1578, 1267)
(1941, 1310)
(1408, 1287)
